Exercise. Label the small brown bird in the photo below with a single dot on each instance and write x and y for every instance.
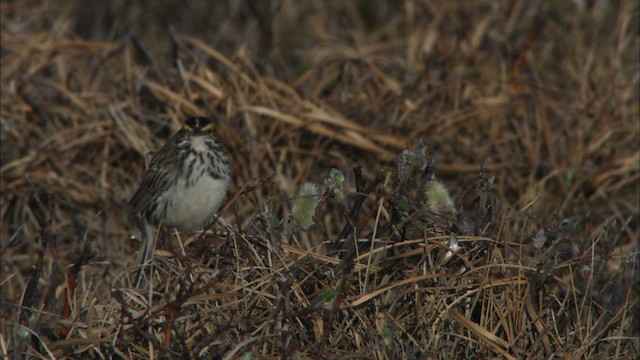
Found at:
(184, 185)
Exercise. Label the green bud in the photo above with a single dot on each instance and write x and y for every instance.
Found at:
(304, 205)
(336, 175)
(438, 198)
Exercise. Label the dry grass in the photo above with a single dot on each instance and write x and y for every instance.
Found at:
(529, 110)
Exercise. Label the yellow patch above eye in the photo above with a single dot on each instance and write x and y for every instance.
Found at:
(207, 127)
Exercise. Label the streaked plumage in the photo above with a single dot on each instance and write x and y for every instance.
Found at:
(185, 184)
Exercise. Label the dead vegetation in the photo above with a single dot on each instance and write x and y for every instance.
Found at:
(527, 111)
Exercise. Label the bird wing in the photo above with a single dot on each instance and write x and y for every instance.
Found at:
(158, 176)
(162, 171)
(155, 180)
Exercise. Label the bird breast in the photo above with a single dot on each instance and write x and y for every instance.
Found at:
(190, 207)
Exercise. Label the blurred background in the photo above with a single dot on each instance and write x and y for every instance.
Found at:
(539, 98)
(543, 94)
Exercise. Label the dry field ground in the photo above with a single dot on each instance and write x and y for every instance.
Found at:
(526, 111)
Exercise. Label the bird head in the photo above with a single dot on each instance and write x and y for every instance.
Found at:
(199, 126)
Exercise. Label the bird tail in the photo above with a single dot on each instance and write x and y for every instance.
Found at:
(150, 235)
